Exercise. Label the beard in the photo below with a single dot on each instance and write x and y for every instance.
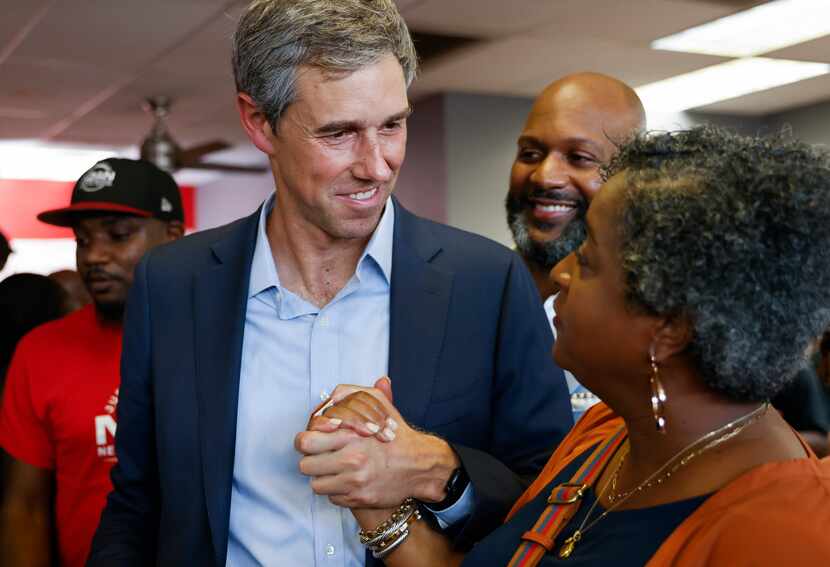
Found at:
(544, 254)
(110, 311)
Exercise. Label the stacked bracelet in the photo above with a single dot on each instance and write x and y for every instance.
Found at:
(393, 532)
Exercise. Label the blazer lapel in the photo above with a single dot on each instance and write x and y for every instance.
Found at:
(220, 302)
(419, 302)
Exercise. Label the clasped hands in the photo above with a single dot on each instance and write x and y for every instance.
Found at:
(362, 454)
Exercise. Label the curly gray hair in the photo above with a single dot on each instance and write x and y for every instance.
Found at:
(734, 233)
(275, 37)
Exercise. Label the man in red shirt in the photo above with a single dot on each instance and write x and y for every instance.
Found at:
(58, 416)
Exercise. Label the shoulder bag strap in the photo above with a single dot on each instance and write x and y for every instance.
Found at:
(563, 502)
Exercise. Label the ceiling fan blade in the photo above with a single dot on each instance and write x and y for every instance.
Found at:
(193, 153)
(226, 167)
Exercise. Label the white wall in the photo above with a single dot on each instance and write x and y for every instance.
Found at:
(481, 136)
(40, 256)
(810, 124)
(422, 182)
(231, 197)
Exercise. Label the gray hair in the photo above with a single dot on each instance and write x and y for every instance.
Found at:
(276, 37)
(734, 233)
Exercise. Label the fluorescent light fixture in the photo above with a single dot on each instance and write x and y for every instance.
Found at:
(765, 28)
(727, 80)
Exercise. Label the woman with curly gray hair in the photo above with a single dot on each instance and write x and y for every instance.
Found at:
(702, 282)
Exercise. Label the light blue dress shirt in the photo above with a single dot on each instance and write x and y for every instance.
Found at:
(581, 397)
(293, 355)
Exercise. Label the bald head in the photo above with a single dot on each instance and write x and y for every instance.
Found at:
(574, 127)
(613, 104)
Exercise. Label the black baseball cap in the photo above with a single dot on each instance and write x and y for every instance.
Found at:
(117, 185)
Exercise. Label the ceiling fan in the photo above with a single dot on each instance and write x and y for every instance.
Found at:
(160, 148)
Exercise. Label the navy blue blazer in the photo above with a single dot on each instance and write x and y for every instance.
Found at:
(469, 358)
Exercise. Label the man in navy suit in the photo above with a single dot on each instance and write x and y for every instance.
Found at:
(235, 335)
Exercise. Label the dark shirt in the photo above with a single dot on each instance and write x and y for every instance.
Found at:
(626, 538)
(803, 402)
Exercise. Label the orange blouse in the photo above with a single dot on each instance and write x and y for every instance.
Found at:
(775, 514)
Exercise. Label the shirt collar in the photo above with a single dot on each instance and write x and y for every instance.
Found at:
(264, 271)
(380, 245)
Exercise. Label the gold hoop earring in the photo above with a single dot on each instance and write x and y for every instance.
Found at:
(658, 394)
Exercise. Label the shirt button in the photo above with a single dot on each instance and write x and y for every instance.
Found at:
(324, 321)
(330, 549)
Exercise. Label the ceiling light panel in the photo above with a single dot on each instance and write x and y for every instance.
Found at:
(727, 80)
(765, 28)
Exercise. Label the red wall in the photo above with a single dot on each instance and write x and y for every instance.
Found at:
(22, 200)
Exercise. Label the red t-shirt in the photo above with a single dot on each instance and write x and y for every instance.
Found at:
(59, 413)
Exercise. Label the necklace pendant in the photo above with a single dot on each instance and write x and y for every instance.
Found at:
(568, 547)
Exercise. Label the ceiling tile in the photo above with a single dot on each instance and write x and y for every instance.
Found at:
(635, 66)
(22, 128)
(482, 18)
(524, 66)
(207, 53)
(619, 20)
(118, 35)
(85, 68)
(638, 22)
(817, 50)
(27, 83)
(17, 14)
(192, 105)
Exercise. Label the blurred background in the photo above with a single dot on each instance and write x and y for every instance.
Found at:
(81, 80)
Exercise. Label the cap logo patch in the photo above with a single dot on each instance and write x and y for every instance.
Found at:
(166, 206)
(99, 176)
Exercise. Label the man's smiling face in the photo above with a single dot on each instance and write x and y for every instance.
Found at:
(339, 147)
(570, 132)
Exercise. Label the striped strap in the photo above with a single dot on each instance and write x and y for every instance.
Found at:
(563, 502)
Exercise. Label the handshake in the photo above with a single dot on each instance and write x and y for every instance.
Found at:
(361, 454)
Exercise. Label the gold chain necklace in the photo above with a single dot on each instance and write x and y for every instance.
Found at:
(738, 427)
(679, 460)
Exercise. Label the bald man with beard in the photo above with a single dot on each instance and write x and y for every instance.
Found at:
(573, 128)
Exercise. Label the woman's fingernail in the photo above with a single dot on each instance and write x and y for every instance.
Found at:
(391, 424)
(388, 434)
(372, 427)
(335, 421)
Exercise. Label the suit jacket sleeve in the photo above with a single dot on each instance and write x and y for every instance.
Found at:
(126, 534)
(531, 412)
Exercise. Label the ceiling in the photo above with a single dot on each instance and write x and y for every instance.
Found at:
(77, 71)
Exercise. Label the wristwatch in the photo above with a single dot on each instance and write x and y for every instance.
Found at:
(456, 484)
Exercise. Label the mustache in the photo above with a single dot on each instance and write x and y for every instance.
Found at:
(555, 195)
